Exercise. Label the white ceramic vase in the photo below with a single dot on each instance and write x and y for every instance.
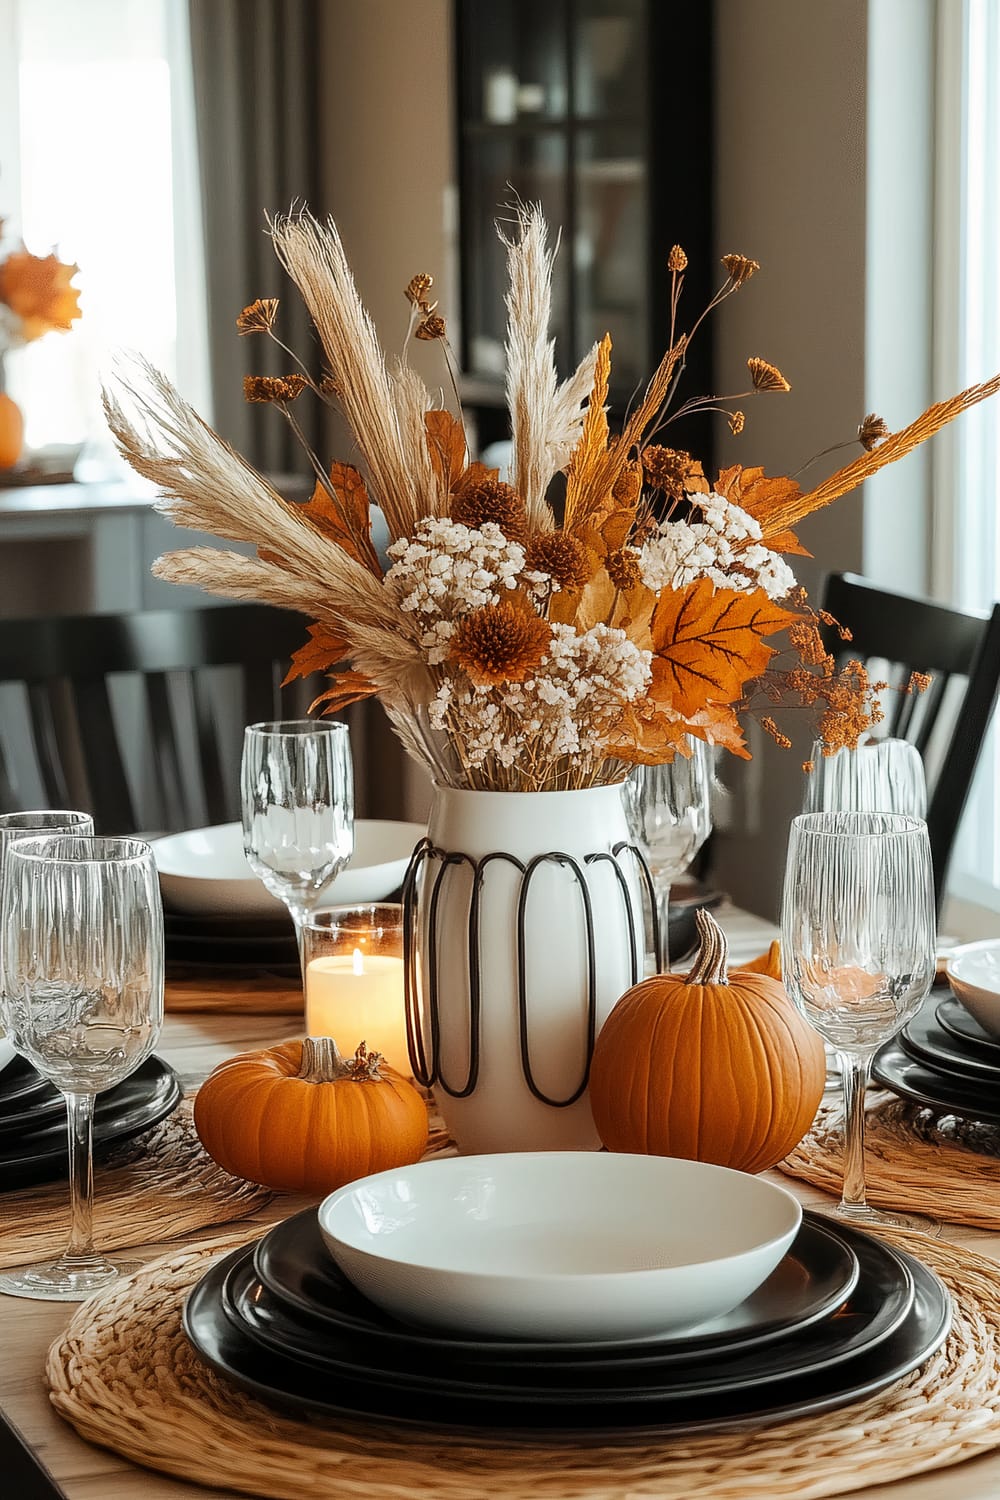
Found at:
(526, 926)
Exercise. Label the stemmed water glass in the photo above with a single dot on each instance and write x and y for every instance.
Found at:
(669, 814)
(298, 808)
(857, 945)
(83, 998)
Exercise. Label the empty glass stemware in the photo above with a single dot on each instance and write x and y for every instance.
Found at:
(669, 814)
(857, 944)
(298, 808)
(83, 996)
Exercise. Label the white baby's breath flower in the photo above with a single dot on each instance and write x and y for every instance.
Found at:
(681, 552)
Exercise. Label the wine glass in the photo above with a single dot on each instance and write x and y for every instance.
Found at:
(884, 775)
(18, 825)
(669, 814)
(298, 808)
(83, 996)
(857, 944)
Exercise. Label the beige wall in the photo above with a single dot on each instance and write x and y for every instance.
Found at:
(790, 192)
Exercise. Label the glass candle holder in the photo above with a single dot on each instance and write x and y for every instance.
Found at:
(352, 958)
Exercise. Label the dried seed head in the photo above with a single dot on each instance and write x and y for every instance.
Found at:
(740, 268)
(258, 317)
(491, 500)
(561, 556)
(677, 260)
(666, 468)
(430, 327)
(279, 388)
(737, 422)
(417, 288)
(623, 568)
(499, 643)
(872, 431)
(765, 376)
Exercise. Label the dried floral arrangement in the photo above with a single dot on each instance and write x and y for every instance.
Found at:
(516, 644)
(36, 296)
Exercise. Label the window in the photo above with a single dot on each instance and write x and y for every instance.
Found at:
(98, 161)
(967, 342)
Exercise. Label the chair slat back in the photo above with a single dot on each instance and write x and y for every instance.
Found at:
(917, 636)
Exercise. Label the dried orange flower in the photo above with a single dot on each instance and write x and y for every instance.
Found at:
(872, 431)
(667, 468)
(805, 638)
(278, 388)
(771, 728)
(737, 422)
(499, 643)
(808, 767)
(259, 316)
(37, 290)
(430, 327)
(417, 288)
(677, 260)
(740, 268)
(330, 385)
(561, 556)
(491, 500)
(834, 624)
(919, 682)
(623, 568)
(765, 376)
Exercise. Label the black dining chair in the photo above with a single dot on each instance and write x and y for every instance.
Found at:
(138, 718)
(898, 634)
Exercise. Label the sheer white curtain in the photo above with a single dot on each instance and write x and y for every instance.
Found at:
(967, 349)
(98, 162)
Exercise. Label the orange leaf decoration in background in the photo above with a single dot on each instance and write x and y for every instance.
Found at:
(447, 446)
(321, 651)
(348, 687)
(346, 519)
(708, 643)
(37, 290)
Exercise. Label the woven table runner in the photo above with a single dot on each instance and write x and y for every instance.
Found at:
(160, 1186)
(124, 1375)
(914, 1159)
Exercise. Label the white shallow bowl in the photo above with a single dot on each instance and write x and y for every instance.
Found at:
(559, 1244)
(974, 974)
(205, 871)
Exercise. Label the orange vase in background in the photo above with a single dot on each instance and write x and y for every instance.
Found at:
(11, 432)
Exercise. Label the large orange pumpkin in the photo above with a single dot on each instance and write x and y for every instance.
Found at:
(298, 1118)
(711, 1066)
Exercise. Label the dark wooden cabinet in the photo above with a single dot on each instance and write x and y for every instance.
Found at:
(602, 111)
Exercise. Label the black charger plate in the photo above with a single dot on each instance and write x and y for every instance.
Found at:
(953, 1017)
(20, 1087)
(928, 1043)
(817, 1275)
(875, 1309)
(151, 1093)
(897, 1070)
(283, 1382)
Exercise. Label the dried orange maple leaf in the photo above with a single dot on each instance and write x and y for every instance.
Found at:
(321, 651)
(347, 519)
(708, 642)
(759, 494)
(446, 445)
(348, 687)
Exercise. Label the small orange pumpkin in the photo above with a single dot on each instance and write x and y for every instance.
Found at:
(298, 1118)
(11, 432)
(711, 1066)
(767, 963)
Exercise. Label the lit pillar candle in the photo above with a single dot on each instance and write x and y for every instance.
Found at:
(359, 997)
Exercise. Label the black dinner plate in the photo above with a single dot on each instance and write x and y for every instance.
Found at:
(928, 1043)
(286, 1383)
(818, 1273)
(20, 1086)
(943, 1092)
(874, 1310)
(145, 1098)
(953, 1017)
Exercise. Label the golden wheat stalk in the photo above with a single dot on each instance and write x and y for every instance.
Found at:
(313, 255)
(895, 446)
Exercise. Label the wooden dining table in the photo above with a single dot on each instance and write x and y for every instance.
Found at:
(193, 1044)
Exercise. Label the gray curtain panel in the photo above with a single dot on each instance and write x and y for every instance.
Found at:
(256, 68)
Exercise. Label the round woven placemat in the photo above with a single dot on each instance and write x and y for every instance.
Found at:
(126, 1377)
(159, 1186)
(914, 1159)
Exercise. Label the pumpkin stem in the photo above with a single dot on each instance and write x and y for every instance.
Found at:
(710, 965)
(321, 1060)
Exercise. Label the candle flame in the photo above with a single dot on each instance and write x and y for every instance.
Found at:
(359, 963)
